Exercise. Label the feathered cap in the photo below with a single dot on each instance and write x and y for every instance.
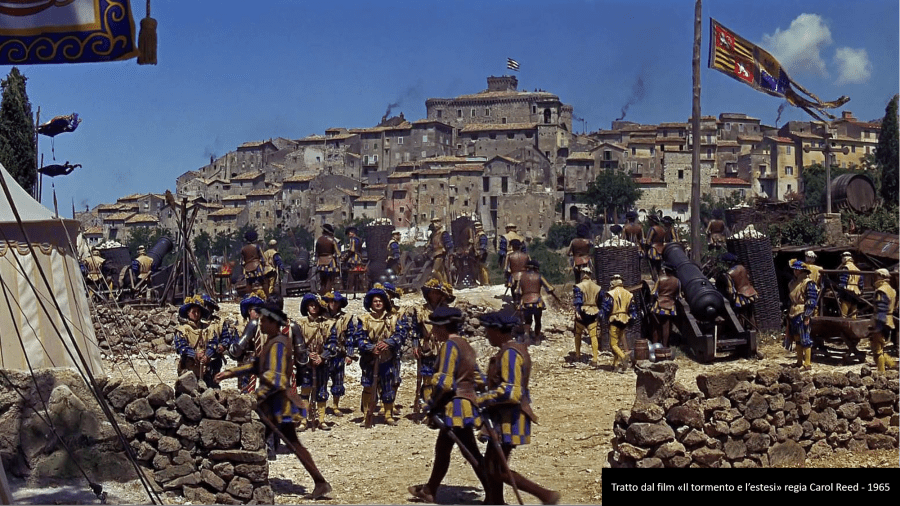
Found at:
(192, 301)
(336, 296)
(800, 266)
(435, 284)
(250, 301)
(209, 303)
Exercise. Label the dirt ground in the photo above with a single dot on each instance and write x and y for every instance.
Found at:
(575, 404)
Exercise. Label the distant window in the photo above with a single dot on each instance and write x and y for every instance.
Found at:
(459, 113)
(503, 120)
(493, 136)
(473, 112)
(789, 189)
(741, 127)
(510, 136)
(789, 171)
(853, 149)
(681, 174)
(633, 151)
(487, 112)
(727, 127)
(399, 140)
(787, 150)
(440, 113)
(425, 138)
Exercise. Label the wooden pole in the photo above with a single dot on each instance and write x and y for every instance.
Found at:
(695, 127)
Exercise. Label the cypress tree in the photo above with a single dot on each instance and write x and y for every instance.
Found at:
(17, 147)
(886, 154)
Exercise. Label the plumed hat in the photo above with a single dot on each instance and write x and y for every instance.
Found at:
(209, 303)
(193, 301)
(336, 296)
(434, 284)
(250, 301)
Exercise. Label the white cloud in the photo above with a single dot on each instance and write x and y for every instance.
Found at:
(853, 65)
(799, 47)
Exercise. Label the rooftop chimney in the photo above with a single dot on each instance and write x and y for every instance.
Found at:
(847, 115)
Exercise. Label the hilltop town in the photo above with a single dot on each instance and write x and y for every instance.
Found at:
(501, 155)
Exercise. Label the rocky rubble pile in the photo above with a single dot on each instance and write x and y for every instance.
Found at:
(202, 443)
(127, 330)
(778, 416)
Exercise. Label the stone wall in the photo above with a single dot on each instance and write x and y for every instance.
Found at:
(201, 443)
(770, 418)
(125, 331)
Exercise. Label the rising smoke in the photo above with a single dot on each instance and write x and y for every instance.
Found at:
(780, 110)
(411, 92)
(637, 94)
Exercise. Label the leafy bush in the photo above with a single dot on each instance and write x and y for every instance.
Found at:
(800, 231)
(560, 235)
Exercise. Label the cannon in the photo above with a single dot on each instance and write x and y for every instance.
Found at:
(704, 317)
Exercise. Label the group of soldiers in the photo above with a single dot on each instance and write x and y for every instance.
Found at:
(261, 267)
(99, 277)
(288, 362)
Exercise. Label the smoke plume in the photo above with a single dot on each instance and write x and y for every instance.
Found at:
(637, 94)
(780, 110)
(411, 92)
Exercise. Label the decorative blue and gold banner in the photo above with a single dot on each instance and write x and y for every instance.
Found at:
(743, 60)
(66, 31)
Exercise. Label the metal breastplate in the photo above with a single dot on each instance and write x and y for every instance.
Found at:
(517, 261)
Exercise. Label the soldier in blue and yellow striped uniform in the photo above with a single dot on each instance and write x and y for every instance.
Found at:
(316, 329)
(393, 253)
(620, 308)
(400, 313)
(885, 304)
(378, 342)
(507, 403)
(274, 369)
(340, 346)
(191, 341)
(851, 283)
(803, 294)
(480, 252)
(454, 399)
(414, 328)
(220, 334)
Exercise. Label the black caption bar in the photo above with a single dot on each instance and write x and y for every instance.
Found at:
(766, 484)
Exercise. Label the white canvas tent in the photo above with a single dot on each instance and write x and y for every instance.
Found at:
(28, 314)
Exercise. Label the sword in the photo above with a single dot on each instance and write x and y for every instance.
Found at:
(495, 443)
(476, 463)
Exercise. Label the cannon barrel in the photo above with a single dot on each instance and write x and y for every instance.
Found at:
(704, 300)
(159, 250)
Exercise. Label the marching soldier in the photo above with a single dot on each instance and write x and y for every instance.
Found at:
(315, 328)
(274, 368)
(190, 342)
(253, 260)
(580, 250)
(716, 230)
(440, 244)
(378, 343)
(620, 309)
(505, 240)
(740, 290)
(452, 405)
(327, 254)
(393, 256)
(340, 346)
(415, 328)
(885, 304)
(480, 252)
(531, 304)
(516, 263)
(587, 300)
(506, 405)
(803, 295)
(665, 291)
(851, 284)
(400, 313)
(273, 266)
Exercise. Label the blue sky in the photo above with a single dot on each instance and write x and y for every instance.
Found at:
(231, 72)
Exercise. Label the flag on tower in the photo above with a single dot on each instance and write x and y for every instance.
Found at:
(512, 64)
(742, 60)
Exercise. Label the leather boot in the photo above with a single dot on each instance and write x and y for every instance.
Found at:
(336, 408)
(320, 420)
(365, 400)
(389, 414)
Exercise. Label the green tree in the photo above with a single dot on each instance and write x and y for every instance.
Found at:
(146, 237)
(886, 154)
(203, 247)
(814, 183)
(553, 265)
(709, 203)
(17, 146)
(612, 192)
(560, 235)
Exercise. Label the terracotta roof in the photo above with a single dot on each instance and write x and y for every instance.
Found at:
(93, 231)
(646, 180)
(400, 175)
(228, 212)
(408, 164)
(469, 167)
(133, 196)
(247, 176)
(433, 172)
(507, 158)
(673, 140)
(486, 127)
(328, 208)
(234, 197)
(379, 186)
(580, 155)
(750, 138)
(443, 159)
(142, 218)
(340, 137)
(370, 198)
(783, 140)
(729, 181)
(264, 192)
(300, 178)
(673, 125)
(610, 144)
(406, 125)
(312, 138)
(724, 143)
(118, 216)
(252, 144)
(348, 192)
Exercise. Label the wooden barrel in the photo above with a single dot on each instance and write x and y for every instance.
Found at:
(641, 349)
(855, 191)
(663, 353)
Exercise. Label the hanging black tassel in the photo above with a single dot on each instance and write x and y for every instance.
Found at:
(147, 40)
